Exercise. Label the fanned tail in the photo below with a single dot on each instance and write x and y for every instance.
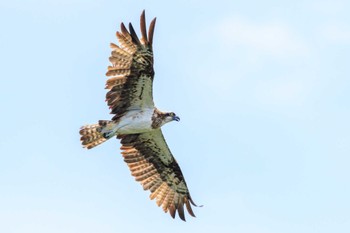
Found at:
(95, 134)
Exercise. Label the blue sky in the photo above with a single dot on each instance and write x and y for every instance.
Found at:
(262, 89)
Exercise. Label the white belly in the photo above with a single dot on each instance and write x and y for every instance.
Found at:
(135, 121)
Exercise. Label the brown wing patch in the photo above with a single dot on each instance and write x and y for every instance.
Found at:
(131, 67)
(144, 155)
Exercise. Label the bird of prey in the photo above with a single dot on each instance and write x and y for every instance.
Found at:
(137, 122)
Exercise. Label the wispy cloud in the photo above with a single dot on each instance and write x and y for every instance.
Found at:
(271, 38)
(258, 63)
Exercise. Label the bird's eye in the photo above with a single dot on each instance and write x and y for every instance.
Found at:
(172, 114)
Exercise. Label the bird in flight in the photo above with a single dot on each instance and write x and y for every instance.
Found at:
(137, 122)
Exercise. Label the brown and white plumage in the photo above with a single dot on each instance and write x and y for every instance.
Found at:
(131, 74)
(152, 164)
(137, 121)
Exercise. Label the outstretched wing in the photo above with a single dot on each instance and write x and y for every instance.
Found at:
(131, 73)
(152, 164)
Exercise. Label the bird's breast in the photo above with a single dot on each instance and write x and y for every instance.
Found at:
(136, 121)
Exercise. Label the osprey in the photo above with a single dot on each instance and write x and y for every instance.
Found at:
(137, 122)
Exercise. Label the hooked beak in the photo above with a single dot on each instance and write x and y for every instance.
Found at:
(176, 118)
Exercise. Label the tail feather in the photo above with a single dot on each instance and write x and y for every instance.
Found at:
(93, 135)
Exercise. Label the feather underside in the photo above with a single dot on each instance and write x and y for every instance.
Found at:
(152, 164)
(130, 76)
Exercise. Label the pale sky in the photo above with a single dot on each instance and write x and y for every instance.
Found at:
(262, 89)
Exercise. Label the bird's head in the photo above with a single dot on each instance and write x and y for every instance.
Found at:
(170, 116)
(160, 118)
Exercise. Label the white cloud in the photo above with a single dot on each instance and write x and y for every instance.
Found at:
(272, 38)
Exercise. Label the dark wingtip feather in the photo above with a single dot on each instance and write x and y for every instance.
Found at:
(133, 34)
(189, 209)
(192, 202)
(172, 211)
(151, 31)
(123, 29)
(143, 27)
(180, 210)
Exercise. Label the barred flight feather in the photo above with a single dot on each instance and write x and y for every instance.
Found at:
(168, 200)
(135, 162)
(149, 182)
(156, 190)
(143, 166)
(118, 71)
(169, 189)
(121, 52)
(115, 81)
(154, 187)
(118, 61)
(142, 170)
(126, 42)
(144, 176)
(162, 195)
